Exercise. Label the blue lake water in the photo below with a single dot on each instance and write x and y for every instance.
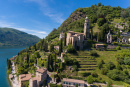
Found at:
(6, 52)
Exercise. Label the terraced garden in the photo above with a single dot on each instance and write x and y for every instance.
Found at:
(87, 63)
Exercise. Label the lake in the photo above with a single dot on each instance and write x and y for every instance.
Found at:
(6, 52)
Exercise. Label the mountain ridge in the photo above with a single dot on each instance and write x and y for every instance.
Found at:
(14, 37)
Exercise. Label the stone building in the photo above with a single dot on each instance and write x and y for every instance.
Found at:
(109, 37)
(73, 82)
(100, 46)
(86, 28)
(23, 78)
(124, 40)
(118, 40)
(78, 40)
(62, 36)
(41, 75)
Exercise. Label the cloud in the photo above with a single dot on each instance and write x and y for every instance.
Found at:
(48, 11)
(38, 33)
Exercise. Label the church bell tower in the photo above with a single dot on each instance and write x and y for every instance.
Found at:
(86, 28)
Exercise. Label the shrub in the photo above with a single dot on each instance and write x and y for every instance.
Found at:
(118, 67)
(120, 60)
(117, 75)
(100, 65)
(93, 53)
(94, 74)
(127, 60)
(118, 48)
(90, 79)
(71, 49)
(104, 71)
(84, 74)
(109, 84)
(110, 65)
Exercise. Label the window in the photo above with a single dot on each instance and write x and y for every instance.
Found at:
(73, 83)
(66, 82)
(79, 84)
(69, 83)
(63, 82)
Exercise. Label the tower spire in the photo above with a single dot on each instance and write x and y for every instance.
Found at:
(86, 28)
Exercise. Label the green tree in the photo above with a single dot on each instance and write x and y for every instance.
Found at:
(99, 4)
(60, 47)
(90, 79)
(65, 40)
(51, 48)
(44, 83)
(100, 21)
(91, 34)
(110, 65)
(127, 60)
(118, 48)
(76, 85)
(118, 34)
(109, 84)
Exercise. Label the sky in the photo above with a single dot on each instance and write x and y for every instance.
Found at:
(39, 17)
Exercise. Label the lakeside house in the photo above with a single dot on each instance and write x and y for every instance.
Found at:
(23, 78)
(10, 76)
(14, 57)
(41, 75)
(73, 82)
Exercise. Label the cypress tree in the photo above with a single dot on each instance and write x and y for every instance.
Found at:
(55, 62)
(60, 47)
(51, 48)
(91, 34)
(118, 34)
(48, 62)
(65, 40)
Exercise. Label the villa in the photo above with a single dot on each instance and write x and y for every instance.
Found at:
(73, 82)
(23, 78)
(41, 75)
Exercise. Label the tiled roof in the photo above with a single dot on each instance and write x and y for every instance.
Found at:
(74, 80)
(75, 32)
(25, 77)
(41, 70)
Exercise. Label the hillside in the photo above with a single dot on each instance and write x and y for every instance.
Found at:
(92, 65)
(13, 37)
(95, 13)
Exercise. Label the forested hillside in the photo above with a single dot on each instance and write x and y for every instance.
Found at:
(13, 37)
(100, 17)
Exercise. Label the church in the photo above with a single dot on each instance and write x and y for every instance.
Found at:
(78, 40)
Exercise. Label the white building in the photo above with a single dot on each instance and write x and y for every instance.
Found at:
(73, 82)
(124, 39)
(109, 37)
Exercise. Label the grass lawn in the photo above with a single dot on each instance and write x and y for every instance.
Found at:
(117, 20)
(103, 55)
(85, 58)
(95, 28)
(107, 56)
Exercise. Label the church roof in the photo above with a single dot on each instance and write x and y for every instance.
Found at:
(75, 32)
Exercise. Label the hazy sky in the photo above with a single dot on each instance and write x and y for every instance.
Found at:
(39, 17)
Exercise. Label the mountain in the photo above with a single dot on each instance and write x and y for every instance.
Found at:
(75, 21)
(13, 37)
